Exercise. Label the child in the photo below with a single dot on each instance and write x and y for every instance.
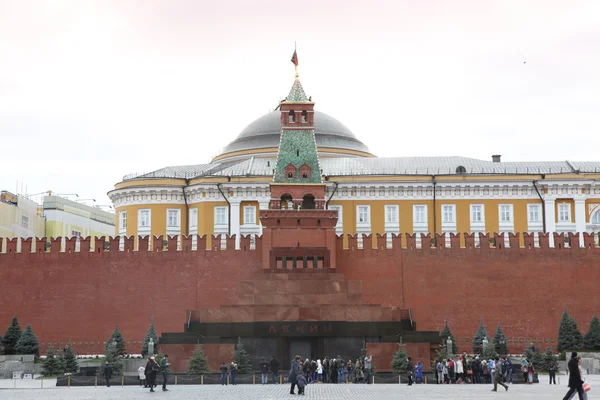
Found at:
(301, 384)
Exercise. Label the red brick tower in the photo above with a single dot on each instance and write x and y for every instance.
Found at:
(299, 233)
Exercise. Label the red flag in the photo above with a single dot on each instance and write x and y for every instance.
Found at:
(295, 58)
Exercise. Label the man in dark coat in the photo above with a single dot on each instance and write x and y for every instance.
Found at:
(410, 368)
(274, 364)
(575, 382)
(108, 367)
(294, 372)
(151, 371)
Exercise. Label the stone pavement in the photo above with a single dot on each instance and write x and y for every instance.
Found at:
(319, 391)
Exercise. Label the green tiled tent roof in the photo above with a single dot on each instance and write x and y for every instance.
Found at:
(297, 93)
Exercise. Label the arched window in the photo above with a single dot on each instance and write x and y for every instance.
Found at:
(304, 116)
(292, 117)
(290, 171)
(596, 217)
(286, 201)
(461, 170)
(305, 171)
(308, 202)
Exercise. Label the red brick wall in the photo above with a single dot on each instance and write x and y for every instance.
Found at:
(82, 296)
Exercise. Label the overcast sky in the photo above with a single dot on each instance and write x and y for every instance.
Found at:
(93, 90)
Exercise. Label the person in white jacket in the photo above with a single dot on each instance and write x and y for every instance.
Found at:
(142, 375)
(459, 370)
(319, 371)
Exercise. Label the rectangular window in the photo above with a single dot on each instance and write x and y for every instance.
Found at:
(391, 214)
(476, 213)
(144, 218)
(25, 221)
(123, 220)
(363, 214)
(420, 214)
(173, 218)
(220, 215)
(193, 218)
(506, 213)
(76, 234)
(534, 213)
(448, 214)
(249, 215)
(564, 212)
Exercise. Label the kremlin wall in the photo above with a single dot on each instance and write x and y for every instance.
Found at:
(82, 295)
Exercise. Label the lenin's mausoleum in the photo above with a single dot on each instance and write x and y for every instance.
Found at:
(298, 240)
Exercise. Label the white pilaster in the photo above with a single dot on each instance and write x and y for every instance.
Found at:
(580, 217)
(262, 205)
(234, 219)
(550, 218)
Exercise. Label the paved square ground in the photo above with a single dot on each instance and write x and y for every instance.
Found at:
(541, 391)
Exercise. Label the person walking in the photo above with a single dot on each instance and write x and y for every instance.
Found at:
(575, 381)
(164, 370)
(498, 377)
(274, 364)
(410, 369)
(142, 375)
(294, 372)
(223, 374)
(151, 371)
(264, 371)
(509, 370)
(108, 370)
(419, 373)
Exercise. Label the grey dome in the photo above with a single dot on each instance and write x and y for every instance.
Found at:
(265, 132)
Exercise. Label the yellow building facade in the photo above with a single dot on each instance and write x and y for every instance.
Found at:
(372, 195)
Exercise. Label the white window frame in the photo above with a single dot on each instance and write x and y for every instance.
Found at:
(477, 213)
(394, 213)
(534, 209)
(339, 226)
(503, 211)
(595, 217)
(25, 221)
(193, 219)
(564, 213)
(363, 215)
(249, 215)
(141, 213)
(75, 233)
(448, 213)
(418, 211)
(173, 218)
(221, 211)
(122, 220)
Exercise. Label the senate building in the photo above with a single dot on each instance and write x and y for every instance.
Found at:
(372, 195)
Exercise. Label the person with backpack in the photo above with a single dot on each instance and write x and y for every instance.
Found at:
(498, 377)
(294, 374)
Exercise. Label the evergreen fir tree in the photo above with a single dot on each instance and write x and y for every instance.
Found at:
(242, 358)
(52, 365)
(448, 333)
(114, 359)
(11, 337)
(569, 337)
(198, 362)
(478, 339)
(534, 357)
(489, 353)
(548, 358)
(499, 338)
(28, 343)
(399, 361)
(150, 334)
(591, 341)
(441, 353)
(117, 337)
(70, 359)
